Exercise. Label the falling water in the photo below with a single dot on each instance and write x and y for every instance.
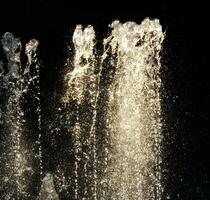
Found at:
(30, 51)
(133, 111)
(110, 118)
(81, 81)
(17, 158)
(47, 191)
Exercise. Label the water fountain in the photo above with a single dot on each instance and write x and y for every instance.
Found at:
(110, 113)
(20, 153)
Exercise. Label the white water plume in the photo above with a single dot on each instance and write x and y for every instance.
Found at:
(133, 116)
(81, 87)
(17, 170)
(47, 191)
(110, 119)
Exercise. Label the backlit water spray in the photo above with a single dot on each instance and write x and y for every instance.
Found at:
(110, 117)
(132, 155)
(20, 154)
(82, 90)
(134, 112)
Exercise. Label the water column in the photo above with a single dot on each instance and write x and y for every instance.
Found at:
(33, 137)
(30, 51)
(134, 116)
(107, 143)
(19, 166)
(81, 95)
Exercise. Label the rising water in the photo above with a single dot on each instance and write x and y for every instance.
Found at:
(20, 155)
(110, 113)
(134, 112)
(132, 149)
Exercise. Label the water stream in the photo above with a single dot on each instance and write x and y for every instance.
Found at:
(110, 113)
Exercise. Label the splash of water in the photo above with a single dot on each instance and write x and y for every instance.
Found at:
(132, 149)
(48, 189)
(81, 81)
(111, 116)
(134, 111)
(17, 170)
(30, 51)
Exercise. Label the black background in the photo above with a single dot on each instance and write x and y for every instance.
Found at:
(185, 71)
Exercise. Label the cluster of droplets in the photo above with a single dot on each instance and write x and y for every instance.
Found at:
(16, 81)
(83, 63)
(47, 191)
(118, 91)
(134, 110)
(81, 88)
(133, 115)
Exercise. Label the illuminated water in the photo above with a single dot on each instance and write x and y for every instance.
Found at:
(17, 154)
(110, 111)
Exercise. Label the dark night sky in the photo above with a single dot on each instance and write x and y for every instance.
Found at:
(185, 64)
